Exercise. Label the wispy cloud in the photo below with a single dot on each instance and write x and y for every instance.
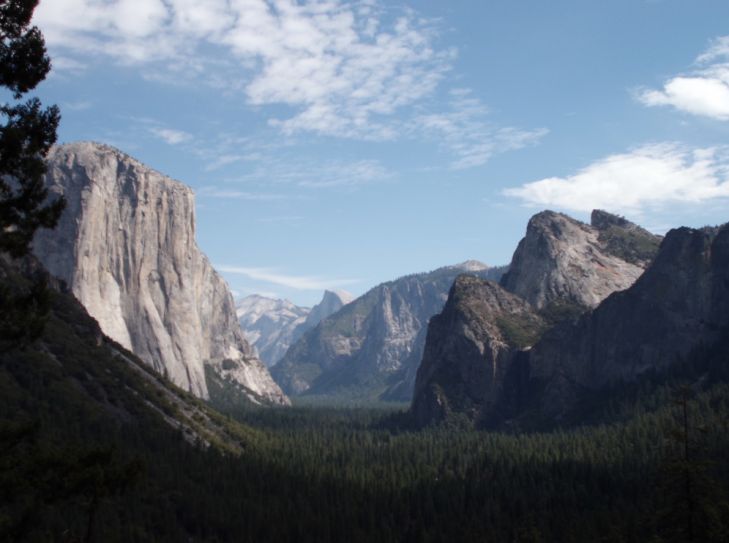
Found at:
(80, 105)
(703, 91)
(317, 175)
(216, 192)
(296, 282)
(169, 135)
(356, 69)
(282, 219)
(633, 182)
(342, 66)
(466, 132)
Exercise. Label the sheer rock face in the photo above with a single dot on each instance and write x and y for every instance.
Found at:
(371, 348)
(126, 247)
(566, 261)
(469, 347)
(680, 303)
(560, 270)
(273, 325)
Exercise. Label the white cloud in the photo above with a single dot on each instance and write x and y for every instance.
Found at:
(343, 66)
(466, 132)
(648, 177)
(297, 282)
(317, 175)
(215, 192)
(170, 136)
(704, 92)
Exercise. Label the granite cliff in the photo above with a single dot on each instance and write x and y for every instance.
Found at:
(469, 348)
(564, 261)
(125, 246)
(679, 305)
(371, 348)
(480, 344)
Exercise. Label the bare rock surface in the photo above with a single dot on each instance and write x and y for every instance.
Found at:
(563, 260)
(469, 348)
(273, 325)
(126, 247)
(479, 346)
(371, 348)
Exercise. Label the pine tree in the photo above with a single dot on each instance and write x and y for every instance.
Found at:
(27, 131)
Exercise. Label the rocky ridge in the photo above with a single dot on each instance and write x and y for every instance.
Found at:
(126, 247)
(273, 325)
(371, 348)
(561, 269)
(469, 349)
(680, 304)
(563, 260)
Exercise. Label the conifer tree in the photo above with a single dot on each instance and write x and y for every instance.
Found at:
(27, 131)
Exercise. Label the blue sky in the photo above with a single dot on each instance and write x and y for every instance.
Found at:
(337, 144)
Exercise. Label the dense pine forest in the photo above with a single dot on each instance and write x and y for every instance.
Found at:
(83, 459)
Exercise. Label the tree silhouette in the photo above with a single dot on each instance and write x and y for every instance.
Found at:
(693, 502)
(27, 131)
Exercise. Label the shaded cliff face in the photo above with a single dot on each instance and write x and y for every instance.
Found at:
(469, 348)
(560, 270)
(126, 247)
(679, 304)
(371, 348)
(272, 325)
(564, 261)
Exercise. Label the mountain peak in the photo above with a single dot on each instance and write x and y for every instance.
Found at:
(342, 295)
(602, 220)
(563, 259)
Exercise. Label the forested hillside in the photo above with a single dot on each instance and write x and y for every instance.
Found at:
(101, 453)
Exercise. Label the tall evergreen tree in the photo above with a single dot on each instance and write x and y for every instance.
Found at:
(27, 131)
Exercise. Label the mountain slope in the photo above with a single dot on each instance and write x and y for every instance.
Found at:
(561, 269)
(680, 305)
(272, 325)
(84, 374)
(469, 348)
(126, 247)
(370, 349)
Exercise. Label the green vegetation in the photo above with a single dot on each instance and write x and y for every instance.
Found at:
(520, 330)
(96, 448)
(27, 131)
(322, 474)
(633, 245)
(561, 310)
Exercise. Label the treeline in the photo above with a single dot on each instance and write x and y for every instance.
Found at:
(346, 475)
(85, 455)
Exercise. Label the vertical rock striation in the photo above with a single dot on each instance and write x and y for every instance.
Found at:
(562, 260)
(371, 348)
(469, 348)
(560, 270)
(126, 247)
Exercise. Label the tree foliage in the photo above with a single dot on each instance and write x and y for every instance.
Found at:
(27, 132)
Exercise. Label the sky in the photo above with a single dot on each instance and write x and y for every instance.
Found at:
(339, 144)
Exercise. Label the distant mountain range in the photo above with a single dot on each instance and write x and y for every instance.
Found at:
(273, 325)
(371, 348)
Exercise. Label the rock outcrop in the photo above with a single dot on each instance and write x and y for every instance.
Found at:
(371, 348)
(560, 270)
(470, 346)
(273, 325)
(562, 260)
(126, 247)
(679, 304)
